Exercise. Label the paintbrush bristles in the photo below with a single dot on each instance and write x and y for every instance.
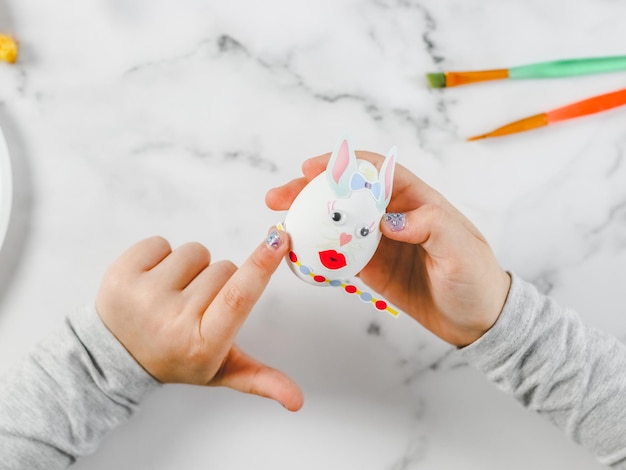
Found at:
(436, 80)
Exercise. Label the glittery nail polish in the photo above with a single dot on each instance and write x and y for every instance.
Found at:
(395, 221)
(273, 240)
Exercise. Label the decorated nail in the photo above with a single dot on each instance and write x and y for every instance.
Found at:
(395, 221)
(273, 240)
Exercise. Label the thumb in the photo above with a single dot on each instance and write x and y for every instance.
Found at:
(245, 374)
(415, 227)
(441, 230)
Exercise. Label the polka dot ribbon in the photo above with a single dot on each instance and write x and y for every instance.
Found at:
(379, 304)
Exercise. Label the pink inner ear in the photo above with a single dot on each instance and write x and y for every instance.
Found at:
(341, 162)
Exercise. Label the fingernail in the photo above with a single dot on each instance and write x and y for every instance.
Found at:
(273, 240)
(395, 221)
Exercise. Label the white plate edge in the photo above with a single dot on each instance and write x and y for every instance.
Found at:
(6, 187)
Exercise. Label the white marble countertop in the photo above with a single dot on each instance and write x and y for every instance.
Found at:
(126, 119)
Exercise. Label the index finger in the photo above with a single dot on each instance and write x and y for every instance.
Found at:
(143, 255)
(280, 198)
(230, 308)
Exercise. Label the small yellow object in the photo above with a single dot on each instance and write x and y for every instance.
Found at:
(8, 49)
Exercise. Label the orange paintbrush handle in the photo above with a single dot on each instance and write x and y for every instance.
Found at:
(526, 124)
(588, 106)
(464, 78)
(580, 108)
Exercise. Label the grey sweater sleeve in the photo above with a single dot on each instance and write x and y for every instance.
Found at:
(555, 365)
(62, 399)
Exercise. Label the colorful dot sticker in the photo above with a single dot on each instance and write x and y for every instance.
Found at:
(378, 304)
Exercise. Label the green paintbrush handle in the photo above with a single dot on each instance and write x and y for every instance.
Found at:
(566, 68)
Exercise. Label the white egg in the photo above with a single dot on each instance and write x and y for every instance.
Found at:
(334, 221)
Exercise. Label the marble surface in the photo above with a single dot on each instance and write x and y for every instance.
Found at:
(126, 119)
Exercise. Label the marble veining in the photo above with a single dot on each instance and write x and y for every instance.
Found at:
(128, 119)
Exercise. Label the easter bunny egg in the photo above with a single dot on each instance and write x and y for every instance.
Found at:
(334, 221)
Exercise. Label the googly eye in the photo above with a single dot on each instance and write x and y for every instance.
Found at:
(337, 217)
(363, 231)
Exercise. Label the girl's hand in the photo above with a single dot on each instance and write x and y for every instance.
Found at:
(178, 314)
(432, 263)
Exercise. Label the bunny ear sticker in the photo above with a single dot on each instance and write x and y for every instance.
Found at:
(386, 177)
(334, 222)
(341, 166)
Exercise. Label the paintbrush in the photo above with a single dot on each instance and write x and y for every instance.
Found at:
(581, 108)
(559, 68)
